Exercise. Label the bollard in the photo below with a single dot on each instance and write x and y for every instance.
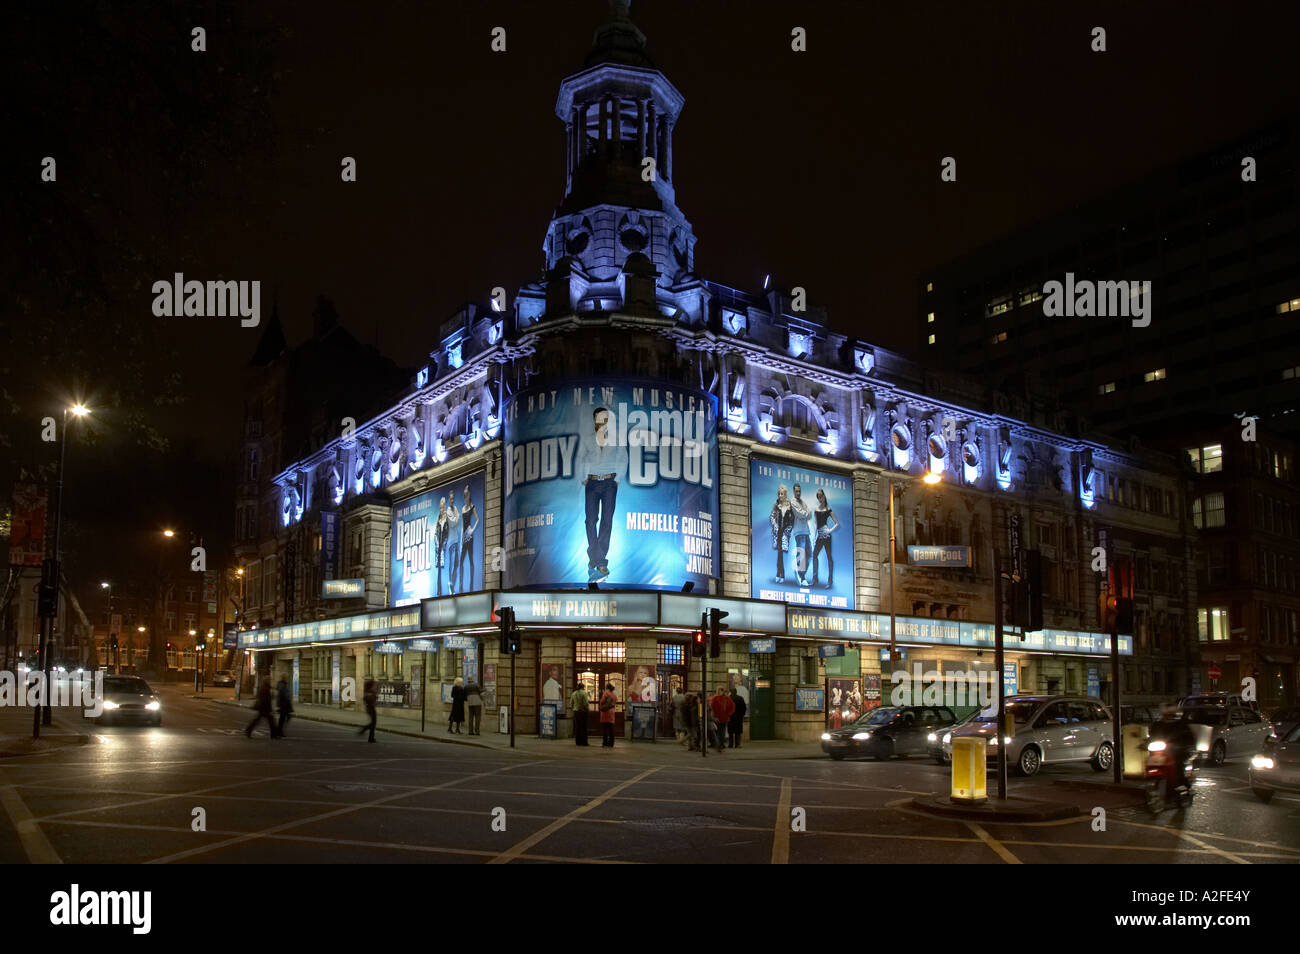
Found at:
(1134, 739)
(969, 770)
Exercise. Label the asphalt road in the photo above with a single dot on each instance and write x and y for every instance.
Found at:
(325, 795)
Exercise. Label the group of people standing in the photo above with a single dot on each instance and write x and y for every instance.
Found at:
(466, 697)
(794, 518)
(721, 725)
(607, 706)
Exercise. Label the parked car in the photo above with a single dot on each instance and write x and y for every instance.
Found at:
(1224, 731)
(1047, 729)
(885, 732)
(1276, 767)
(1282, 721)
(223, 677)
(129, 699)
(937, 740)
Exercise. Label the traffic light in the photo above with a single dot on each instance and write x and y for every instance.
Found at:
(697, 638)
(506, 620)
(1118, 615)
(716, 616)
(1034, 568)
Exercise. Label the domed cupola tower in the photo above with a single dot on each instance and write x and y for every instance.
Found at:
(618, 114)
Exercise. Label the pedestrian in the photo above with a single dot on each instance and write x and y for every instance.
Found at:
(607, 703)
(722, 709)
(474, 699)
(579, 704)
(691, 720)
(262, 706)
(370, 696)
(679, 713)
(736, 727)
(284, 703)
(458, 696)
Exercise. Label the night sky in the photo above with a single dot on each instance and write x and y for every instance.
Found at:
(821, 168)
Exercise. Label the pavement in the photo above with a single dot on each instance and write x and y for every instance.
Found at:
(66, 728)
(436, 731)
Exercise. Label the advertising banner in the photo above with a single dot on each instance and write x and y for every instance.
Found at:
(844, 702)
(611, 482)
(27, 529)
(802, 527)
(438, 542)
(329, 545)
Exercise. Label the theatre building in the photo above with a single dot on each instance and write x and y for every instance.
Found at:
(626, 444)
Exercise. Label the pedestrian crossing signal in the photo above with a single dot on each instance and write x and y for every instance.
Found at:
(697, 639)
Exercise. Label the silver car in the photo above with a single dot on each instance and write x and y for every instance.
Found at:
(1048, 729)
(1225, 731)
(1277, 767)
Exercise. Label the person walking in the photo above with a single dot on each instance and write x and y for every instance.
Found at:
(474, 699)
(607, 703)
(723, 709)
(284, 703)
(458, 696)
(262, 706)
(691, 719)
(736, 727)
(579, 703)
(370, 696)
(679, 713)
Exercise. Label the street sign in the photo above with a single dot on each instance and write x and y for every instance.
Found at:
(828, 651)
(1215, 672)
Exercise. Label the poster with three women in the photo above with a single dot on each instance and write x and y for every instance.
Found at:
(802, 524)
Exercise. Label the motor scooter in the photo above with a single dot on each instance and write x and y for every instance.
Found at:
(1162, 775)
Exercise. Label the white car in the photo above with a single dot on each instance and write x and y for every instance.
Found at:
(1047, 730)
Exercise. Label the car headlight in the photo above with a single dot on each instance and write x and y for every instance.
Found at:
(1006, 740)
(154, 706)
(932, 738)
(1202, 747)
(826, 736)
(110, 704)
(1157, 745)
(1261, 762)
(861, 736)
(992, 740)
(947, 738)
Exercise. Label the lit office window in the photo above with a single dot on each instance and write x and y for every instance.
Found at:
(1212, 624)
(1289, 374)
(999, 337)
(929, 286)
(999, 308)
(1292, 305)
(1207, 459)
(1029, 297)
(931, 339)
(1157, 375)
(1106, 388)
(929, 319)
(1208, 511)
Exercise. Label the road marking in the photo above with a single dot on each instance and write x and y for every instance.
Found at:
(781, 834)
(344, 810)
(35, 844)
(538, 836)
(993, 843)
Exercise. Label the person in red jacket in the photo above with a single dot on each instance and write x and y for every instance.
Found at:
(607, 703)
(723, 709)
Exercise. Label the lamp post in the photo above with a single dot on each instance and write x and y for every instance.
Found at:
(49, 607)
(112, 656)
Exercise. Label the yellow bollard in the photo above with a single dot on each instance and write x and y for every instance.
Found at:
(1133, 737)
(969, 770)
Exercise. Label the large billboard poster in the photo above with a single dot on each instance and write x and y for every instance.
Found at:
(611, 483)
(437, 542)
(802, 531)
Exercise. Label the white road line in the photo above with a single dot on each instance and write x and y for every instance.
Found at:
(538, 836)
(35, 844)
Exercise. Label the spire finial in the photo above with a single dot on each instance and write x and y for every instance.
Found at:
(622, 9)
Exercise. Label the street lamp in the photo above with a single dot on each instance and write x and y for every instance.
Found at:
(49, 602)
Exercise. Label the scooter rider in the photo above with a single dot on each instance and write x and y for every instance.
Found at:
(1180, 741)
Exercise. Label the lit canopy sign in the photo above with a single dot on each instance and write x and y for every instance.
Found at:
(744, 616)
(342, 589)
(584, 607)
(938, 556)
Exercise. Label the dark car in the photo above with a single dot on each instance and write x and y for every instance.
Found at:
(889, 731)
(936, 739)
(129, 699)
(1284, 721)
